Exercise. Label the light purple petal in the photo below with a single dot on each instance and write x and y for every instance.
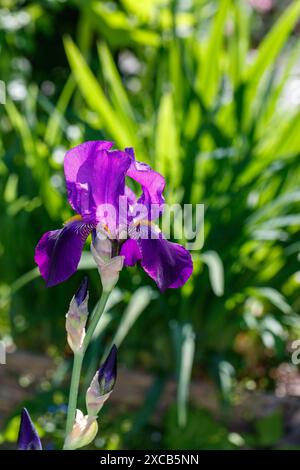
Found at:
(28, 438)
(95, 175)
(169, 264)
(58, 252)
(130, 250)
(152, 183)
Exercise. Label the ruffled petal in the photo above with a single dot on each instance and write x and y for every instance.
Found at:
(152, 183)
(168, 263)
(58, 252)
(95, 175)
(131, 252)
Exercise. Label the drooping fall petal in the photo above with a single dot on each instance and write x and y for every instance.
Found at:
(58, 252)
(168, 263)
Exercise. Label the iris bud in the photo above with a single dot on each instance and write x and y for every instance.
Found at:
(102, 384)
(76, 317)
(28, 438)
(109, 266)
(83, 433)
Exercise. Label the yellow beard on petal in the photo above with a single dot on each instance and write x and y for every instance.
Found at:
(74, 218)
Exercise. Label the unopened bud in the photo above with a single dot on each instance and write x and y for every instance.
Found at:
(77, 315)
(83, 433)
(109, 266)
(102, 384)
(28, 438)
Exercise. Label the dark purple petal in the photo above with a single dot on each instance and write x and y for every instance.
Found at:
(131, 252)
(169, 264)
(95, 175)
(82, 291)
(107, 374)
(28, 438)
(152, 183)
(58, 252)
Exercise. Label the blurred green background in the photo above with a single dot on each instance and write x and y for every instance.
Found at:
(208, 93)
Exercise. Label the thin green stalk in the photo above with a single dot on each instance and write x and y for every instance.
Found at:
(95, 319)
(78, 359)
(77, 364)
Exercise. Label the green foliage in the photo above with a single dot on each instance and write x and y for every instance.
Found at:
(201, 433)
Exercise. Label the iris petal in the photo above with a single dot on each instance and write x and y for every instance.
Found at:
(95, 175)
(58, 252)
(168, 263)
(152, 183)
(131, 252)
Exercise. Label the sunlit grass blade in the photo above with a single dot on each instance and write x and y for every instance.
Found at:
(273, 42)
(117, 91)
(185, 371)
(22, 128)
(57, 118)
(96, 99)
(137, 304)
(167, 157)
(216, 271)
(209, 72)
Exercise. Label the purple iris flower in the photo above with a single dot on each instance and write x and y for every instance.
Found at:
(107, 374)
(28, 438)
(95, 176)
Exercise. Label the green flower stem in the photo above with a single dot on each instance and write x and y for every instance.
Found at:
(78, 359)
(77, 364)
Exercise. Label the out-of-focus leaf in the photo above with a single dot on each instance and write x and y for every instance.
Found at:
(117, 91)
(226, 373)
(273, 42)
(270, 429)
(185, 371)
(57, 118)
(166, 140)
(96, 99)
(137, 304)
(274, 297)
(209, 75)
(216, 271)
(118, 30)
(87, 261)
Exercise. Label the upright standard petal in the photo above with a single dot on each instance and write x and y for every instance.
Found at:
(28, 438)
(58, 252)
(152, 183)
(168, 263)
(95, 175)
